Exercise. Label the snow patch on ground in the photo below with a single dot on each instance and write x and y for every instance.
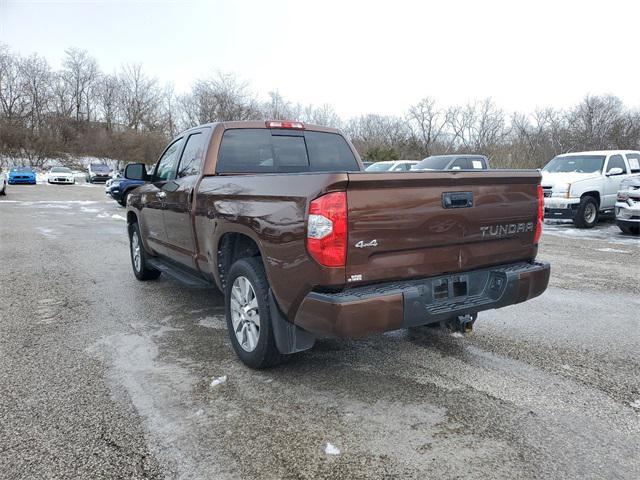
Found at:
(118, 217)
(457, 335)
(611, 250)
(635, 404)
(218, 381)
(215, 322)
(603, 231)
(46, 232)
(89, 210)
(331, 449)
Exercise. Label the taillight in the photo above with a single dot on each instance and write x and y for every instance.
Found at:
(327, 229)
(538, 232)
(284, 124)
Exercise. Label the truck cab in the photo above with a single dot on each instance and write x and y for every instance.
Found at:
(583, 185)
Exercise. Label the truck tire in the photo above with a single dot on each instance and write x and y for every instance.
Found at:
(123, 200)
(141, 269)
(587, 214)
(629, 230)
(248, 316)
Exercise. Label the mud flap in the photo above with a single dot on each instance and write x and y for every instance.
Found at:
(289, 337)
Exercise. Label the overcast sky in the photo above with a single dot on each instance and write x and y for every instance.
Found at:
(360, 57)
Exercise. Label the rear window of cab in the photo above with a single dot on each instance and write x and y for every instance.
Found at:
(261, 150)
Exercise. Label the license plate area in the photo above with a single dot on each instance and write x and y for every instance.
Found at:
(449, 288)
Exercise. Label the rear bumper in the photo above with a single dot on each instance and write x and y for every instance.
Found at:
(99, 178)
(377, 308)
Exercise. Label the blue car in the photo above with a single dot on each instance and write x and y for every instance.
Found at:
(121, 187)
(26, 175)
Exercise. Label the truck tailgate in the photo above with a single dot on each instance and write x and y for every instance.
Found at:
(411, 225)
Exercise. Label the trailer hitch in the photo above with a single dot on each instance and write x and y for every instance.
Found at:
(462, 323)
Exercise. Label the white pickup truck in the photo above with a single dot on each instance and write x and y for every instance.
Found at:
(582, 185)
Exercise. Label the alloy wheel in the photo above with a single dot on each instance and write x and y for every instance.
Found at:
(245, 316)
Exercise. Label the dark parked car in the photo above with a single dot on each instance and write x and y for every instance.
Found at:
(98, 172)
(120, 189)
(453, 162)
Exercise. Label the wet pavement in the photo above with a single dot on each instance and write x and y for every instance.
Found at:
(102, 376)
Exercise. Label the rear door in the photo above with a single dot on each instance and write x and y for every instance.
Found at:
(420, 224)
(179, 196)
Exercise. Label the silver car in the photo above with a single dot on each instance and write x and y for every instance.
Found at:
(3, 183)
(628, 205)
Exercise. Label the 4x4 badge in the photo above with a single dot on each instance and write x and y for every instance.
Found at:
(363, 244)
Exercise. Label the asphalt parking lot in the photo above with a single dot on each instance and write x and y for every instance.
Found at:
(102, 376)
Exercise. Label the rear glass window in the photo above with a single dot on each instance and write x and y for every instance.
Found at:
(260, 151)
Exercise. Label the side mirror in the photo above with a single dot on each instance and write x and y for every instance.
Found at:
(136, 171)
(615, 171)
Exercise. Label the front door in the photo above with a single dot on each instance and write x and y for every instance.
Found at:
(612, 182)
(154, 196)
(181, 245)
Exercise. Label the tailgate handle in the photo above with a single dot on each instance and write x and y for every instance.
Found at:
(457, 199)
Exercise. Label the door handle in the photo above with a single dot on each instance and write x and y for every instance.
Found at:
(457, 199)
(162, 194)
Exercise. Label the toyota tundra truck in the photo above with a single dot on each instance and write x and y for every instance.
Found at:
(281, 217)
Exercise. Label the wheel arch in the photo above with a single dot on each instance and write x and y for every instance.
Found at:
(232, 246)
(592, 193)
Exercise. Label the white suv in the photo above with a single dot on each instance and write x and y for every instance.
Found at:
(580, 186)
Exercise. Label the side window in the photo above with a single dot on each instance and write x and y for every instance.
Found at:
(460, 164)
(477, 163)
(616, 161)
(166, 168)
(634, 162)
(194, 150)
(246, 151)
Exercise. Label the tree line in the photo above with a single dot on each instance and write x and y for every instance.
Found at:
(127, 115)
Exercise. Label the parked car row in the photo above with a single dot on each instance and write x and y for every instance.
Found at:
(578, 186)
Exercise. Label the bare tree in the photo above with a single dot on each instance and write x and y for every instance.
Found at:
(139, 97)
(277, 108)
(13, 98)
(427, 123)
(107, 98)
(36, 75)
(218, 99)
(81, 73)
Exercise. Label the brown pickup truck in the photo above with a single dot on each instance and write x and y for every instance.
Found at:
(304, 244)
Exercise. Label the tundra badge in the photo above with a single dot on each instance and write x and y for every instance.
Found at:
(506, 229)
